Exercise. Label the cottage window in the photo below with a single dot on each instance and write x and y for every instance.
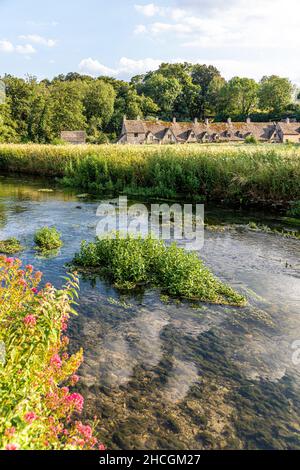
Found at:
(136, 134)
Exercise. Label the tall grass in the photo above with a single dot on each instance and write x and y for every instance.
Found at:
(231, 172)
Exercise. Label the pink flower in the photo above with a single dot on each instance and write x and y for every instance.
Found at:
(56, 361)
(22, 283)
(34, 290)
(29, 320)
(11, 447)
(9, 261)
(38, 275)
(77, 400)
(10, 431)
(101, 447)
(30, 417)
(29, 268)
(74, 379)
(85, 430)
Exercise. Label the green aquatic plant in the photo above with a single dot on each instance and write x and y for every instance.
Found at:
(47, 238)
(10, 246)
(129, 262)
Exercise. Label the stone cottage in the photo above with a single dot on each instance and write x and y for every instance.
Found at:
(159, 132)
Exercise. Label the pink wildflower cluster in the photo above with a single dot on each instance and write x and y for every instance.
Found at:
(30, 417)
(30, 320)
(76, 400)
(56, 361)
(55, 427)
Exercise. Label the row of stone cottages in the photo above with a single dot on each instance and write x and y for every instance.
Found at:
(158, 132)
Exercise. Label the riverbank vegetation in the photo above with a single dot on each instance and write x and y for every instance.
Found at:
(38, 411)
(129, 262)
(37, 111)
(231, 173)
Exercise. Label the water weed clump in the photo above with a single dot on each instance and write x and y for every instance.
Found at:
(10, 246)
(47, 238)
(37, 403)
(130, 262)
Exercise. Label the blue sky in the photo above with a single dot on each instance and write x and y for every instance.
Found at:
(123, 38)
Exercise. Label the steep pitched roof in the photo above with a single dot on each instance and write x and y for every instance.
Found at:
(289, 128)
(131, 126)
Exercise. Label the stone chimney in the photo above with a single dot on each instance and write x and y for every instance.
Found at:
(287, 120)
(206, 121)
(229, 120)
(195, 121)
(124, 117)
(248, 120)
(138, 118)
(174, 120)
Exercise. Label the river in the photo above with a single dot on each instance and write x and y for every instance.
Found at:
(177, 375)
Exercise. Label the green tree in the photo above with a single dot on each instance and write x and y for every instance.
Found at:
(164, 91)
(8, 126)
(275, 93)
(203, 76)
(66, 107)
(238, 97)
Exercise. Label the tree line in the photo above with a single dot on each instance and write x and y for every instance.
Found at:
(37, 111)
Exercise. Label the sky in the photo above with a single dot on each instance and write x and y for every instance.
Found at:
(122, 38)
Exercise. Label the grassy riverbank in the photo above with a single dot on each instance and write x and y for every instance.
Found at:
(234, 173)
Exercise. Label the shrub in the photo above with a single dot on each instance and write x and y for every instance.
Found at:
(10, 246)
(47, 238)
(130, 261)
(37, 407)
(250, 139)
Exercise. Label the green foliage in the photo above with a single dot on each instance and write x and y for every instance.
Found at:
(275, 93)
(10, 246)
(250, 139)
(294, 210)
(47, 238)
(238, 174)
(38, 111)
(131, 261)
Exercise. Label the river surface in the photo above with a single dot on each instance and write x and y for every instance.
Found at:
(176, 375)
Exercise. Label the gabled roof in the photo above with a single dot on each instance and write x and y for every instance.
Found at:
(289, 128)
(134, 126)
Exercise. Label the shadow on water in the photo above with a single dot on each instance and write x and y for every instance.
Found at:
(175, 375)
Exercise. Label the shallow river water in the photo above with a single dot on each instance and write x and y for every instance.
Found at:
(171, 375)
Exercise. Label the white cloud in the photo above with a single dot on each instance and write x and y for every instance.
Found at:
(36, 39)
(259, 23)
(131, 66)
(140, 29)
(26, 49)
(6, 46)
(148, 10)
(94, 67)
(125, 66)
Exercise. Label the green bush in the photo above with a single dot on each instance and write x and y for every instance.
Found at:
(10, 246)
(250, 139)
(47, 238)
(129, 262)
